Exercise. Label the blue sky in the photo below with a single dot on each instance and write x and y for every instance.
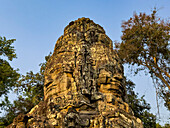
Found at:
(37, 24)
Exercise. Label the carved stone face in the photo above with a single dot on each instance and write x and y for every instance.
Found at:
(111, 84)
(83, 83)
(83, 63)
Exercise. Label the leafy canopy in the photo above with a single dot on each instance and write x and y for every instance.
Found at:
(8, 76)
(139, 106)
(145, 43)
(30, 92)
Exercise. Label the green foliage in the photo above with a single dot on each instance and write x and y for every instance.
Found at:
(139, 106)
(6, 48)
(8, 76)
(145, 43)
(165, 126)
(30, 87)
(30, 93)
(8, 118)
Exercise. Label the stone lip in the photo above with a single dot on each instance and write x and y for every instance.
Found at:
(79, 25)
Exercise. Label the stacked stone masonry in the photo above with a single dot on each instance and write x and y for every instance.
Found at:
(84, 84)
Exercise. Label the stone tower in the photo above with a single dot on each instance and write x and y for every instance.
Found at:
(84, 84)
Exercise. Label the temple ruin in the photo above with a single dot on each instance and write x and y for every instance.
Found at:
(84, 84)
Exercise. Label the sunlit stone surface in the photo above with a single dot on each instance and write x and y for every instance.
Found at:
(84, 84)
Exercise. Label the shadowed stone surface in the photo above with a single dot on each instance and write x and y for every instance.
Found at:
(84, 84)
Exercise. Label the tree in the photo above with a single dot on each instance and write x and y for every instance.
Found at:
(30, 88)
(30, 92)
(165, 126)
(8, 118)
(145, 43)
(139, 106)
(8, 76)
